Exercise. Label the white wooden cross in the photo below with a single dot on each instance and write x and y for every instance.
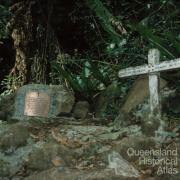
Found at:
(153, 68)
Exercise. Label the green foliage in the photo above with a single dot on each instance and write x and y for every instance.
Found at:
(105, 16)
(89, 70)
(114, 50)
(87, 81)
(147, 33)
(10, 84)
(164, 39)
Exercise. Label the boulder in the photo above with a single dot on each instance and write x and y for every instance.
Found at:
(81, 109)
(46, 101)
(138, 93)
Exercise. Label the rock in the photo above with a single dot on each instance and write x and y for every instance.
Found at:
(128, 145)
(132, 130)
(149, 126)
(110, 136)
(111, 93)
(89, 130)
(81, 109)
(15, 136)
(87, 138)
(69, 174)
(47, 156)
(138, 93)
(42, 101)
(2, 115)
(121, 120)
(65, 99)
(15, 160)
(121, 166)
(7, 106)
(104, 149)
(83, 164)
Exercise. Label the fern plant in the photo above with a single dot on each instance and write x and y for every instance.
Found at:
(9, 84)
(90, 79)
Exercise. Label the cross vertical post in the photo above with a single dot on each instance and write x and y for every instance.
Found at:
(154, 84)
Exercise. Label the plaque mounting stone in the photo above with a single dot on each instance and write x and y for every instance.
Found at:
(43, 101)
(37, 104)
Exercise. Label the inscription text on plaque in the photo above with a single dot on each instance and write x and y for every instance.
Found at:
(37, 104)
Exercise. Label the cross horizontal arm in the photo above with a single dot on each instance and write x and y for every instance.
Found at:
(144, 69)
(132, 71)
(167, 65)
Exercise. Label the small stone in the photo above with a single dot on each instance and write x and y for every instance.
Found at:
(102, 164)
(81, 109)
(149, 126)
(91, 166)
(86, 138)
(104, 149)
(110, 136)
(84, 164)
(57, 161)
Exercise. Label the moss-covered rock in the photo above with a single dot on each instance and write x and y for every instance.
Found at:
(15, 136)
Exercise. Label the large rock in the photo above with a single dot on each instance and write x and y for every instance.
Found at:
(42, 101)
(138, 93)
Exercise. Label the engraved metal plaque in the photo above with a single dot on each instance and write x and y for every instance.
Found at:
(37, 104)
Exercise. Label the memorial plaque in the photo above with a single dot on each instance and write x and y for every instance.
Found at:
(37, 104)
(43, 101)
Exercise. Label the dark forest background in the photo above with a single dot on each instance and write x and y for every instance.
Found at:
(82, 44)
